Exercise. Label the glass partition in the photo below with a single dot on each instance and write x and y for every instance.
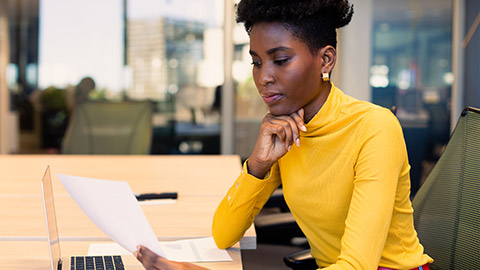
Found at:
(174, 56)
(411, 73)
(168, 52)
(249, 106)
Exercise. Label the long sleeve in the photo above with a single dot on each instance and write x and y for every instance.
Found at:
(381, 161)
(243, 202)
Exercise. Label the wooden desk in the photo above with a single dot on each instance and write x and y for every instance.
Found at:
(34, 255)
(201, 182)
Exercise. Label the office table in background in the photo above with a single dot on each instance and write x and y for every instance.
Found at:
(201, 183)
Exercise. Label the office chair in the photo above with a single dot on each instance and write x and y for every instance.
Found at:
(110, 128)
(447, 205)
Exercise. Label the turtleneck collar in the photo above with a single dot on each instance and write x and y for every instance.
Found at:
(327, 113)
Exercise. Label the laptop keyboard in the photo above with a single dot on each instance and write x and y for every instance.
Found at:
(96, 263)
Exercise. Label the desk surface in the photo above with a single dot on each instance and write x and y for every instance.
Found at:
(201, 182)
(33, 255)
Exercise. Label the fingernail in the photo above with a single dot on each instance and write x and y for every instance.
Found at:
(297, 142)
(135, 254)
(303, 128)
(289, 147)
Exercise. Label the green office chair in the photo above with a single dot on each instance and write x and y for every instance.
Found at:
(447, 206)
(110, 128)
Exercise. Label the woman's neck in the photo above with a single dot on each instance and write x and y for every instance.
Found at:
(312, 109)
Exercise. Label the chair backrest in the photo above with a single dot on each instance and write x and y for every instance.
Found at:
(110, 128)
(447, 206)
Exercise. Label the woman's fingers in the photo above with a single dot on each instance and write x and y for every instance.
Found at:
(277, 134)
(299, 124)
(150, 259)
(292, 125)
(298, 117)
(282, 128)
(300, 120)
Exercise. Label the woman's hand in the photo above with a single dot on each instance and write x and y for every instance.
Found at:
(151, 261)
(277, 134)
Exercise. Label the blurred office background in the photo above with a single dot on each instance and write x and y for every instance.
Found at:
(191, 61)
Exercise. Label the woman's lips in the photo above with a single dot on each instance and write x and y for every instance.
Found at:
(272, 98)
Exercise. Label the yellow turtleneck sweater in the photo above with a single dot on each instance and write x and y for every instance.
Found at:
(347, 185)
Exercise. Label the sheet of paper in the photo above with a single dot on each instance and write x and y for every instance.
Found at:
(195, 250)
(112, 206)
(189, 250)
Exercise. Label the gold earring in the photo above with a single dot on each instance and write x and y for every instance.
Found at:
(325, 77)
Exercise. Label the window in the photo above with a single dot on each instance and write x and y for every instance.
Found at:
(412, 71)
(169, 52)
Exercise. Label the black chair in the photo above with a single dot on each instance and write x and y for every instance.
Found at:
(447, 206)
(301, 260)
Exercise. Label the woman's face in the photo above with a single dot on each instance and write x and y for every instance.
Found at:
(286, 73)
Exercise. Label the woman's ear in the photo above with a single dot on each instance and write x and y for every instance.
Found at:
(328, 57)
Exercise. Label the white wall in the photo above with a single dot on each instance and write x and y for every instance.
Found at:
(354, 50)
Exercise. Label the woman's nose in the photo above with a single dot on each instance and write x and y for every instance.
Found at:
(267, 76)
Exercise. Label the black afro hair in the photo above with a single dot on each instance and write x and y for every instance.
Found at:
(312, 21)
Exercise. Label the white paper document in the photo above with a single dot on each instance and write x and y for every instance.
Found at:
(113, 208)
(194, 250)
(189, 250)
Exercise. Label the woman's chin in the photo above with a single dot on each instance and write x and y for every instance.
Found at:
(281, 111)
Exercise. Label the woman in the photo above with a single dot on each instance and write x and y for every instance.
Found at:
(342, 162)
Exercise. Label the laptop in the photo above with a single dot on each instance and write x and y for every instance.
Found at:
(76, 262)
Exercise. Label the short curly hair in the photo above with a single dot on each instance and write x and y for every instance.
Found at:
(312, 21)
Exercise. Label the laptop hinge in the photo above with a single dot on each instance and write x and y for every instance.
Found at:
(59, 265)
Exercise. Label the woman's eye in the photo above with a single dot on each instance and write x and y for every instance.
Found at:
(281, 61)
(256, 63)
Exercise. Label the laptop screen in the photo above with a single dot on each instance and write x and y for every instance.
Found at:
(51, 220)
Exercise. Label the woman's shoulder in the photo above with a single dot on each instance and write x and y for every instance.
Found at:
(361, 111)
(368, 114)
(361, 108)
